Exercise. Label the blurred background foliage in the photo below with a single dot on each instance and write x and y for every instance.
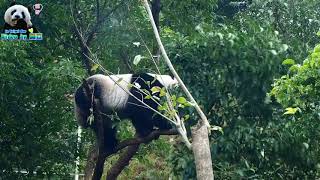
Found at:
(253, 69)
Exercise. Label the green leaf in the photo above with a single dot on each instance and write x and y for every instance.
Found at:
(186, 117)
(162, 92)
(137, 59)
(217, 128)
(294, 68)
(288, 62)
(274, 52)
(147, 97)
(155, 89)
(95, 67)
(181, 100)
(119, 80)
(291, 111)
(317, 48)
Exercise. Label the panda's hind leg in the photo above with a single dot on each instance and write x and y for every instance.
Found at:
(161, 123)
(142, 124)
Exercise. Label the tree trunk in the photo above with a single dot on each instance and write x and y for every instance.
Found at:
(91, 162)
(201, 152)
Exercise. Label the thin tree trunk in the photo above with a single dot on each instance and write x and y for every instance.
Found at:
(200, 139)
(91, 162)
(173, 71)
(201, 152)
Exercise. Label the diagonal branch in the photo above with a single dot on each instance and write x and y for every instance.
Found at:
(173, 71)
(122, 162)
(145, 140)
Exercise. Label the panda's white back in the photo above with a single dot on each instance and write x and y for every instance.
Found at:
(114, 89)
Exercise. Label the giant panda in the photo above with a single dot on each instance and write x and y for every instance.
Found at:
(110, 91)
(17, 17)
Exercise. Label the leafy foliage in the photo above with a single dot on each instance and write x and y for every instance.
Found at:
(36, 104)
(229, 64)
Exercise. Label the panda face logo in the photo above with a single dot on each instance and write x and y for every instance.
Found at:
(15, 13)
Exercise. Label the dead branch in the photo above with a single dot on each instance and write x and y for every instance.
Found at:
(86, 38)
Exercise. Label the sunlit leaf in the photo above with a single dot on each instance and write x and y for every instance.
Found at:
(317, 48)
(290, 110)
(288, 62)
(155, 89)
(217, 128)
(162, 92)
(137, 44)
(137, 59)
(181, 100)
(95, 67)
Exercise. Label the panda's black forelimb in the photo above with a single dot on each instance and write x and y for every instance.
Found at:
(145, 119)
(85, 99)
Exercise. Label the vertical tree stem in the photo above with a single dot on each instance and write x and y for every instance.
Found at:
(201, 152)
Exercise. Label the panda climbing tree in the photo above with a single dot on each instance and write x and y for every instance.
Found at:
(101, 95)
(132, 96)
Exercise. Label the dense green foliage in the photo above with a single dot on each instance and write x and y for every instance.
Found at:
(298, 93)
(229, 64)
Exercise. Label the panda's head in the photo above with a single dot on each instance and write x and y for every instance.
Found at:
(17, 13)
(166, 80)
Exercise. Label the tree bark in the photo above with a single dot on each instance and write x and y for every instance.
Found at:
(155, 8)
(201, 152)
(91, 161)
(122, 162)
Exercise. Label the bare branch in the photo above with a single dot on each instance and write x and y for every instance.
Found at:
(100, 21)
(173, 71)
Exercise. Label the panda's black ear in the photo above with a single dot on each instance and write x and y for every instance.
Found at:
(171, 75)
(13, 3)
